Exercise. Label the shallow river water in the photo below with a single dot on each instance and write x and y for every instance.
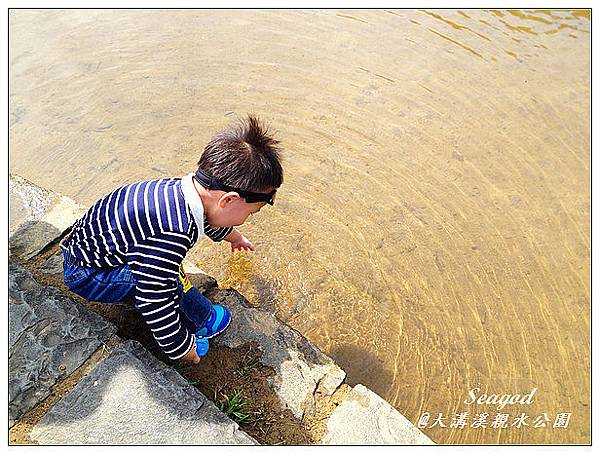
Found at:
(433, 231)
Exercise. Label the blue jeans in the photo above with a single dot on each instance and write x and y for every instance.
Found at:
(117, 285)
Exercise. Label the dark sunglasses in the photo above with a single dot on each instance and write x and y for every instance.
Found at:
(210, 182)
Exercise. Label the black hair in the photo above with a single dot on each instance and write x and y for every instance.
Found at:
(244, 155)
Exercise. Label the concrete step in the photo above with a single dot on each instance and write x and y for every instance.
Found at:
(132, 398)
(37, 216)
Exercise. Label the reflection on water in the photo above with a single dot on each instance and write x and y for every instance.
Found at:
(433, 231)
(457, 43)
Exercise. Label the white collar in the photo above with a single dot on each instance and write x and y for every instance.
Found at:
(193, 200)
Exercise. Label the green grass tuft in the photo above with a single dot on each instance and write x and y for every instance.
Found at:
(234, 406)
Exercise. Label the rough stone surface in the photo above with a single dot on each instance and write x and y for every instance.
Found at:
(26, 202)
(332, 380)
(364, 418)
(132, 398)
(54, 264)
(37, 217)
(298, 364)
(49, 337)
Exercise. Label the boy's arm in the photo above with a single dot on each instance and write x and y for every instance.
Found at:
(216, 233)
(230, 234)
(238, 241)
(154, 263)
(233, 236)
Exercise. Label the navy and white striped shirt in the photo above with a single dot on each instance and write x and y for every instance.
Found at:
(148, 226)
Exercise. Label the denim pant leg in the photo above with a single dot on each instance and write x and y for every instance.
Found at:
(115, 285)
(195, 307)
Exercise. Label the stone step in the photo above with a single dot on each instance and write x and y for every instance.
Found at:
(134, 399)
(128, 398)
(49, 337)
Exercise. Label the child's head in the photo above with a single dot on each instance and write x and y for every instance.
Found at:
(240, 170)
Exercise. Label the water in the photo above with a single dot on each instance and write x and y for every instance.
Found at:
(433, 230)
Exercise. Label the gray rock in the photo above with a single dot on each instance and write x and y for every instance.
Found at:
(299, 365)
(37, 217)
(203, 282)
(26, 202)
(54, 265)
(132, 398)
(49, 337)
(364, 418)
(31, 238)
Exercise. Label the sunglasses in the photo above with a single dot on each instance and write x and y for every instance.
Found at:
(210, 182)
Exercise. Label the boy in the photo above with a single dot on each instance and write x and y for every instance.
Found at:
(131, 243)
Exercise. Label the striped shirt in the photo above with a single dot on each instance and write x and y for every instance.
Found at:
(148, 226)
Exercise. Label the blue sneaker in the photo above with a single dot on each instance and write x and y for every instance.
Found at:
(217, 322)
(201, 346)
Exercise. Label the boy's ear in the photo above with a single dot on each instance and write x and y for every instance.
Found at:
(228, 198)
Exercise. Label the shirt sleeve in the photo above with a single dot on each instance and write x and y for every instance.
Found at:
(154, 263)
(216, 234)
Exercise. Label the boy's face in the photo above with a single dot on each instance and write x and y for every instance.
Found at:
(233, 210)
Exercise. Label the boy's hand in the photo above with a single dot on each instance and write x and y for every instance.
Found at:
(191, 357)
(242, 244)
